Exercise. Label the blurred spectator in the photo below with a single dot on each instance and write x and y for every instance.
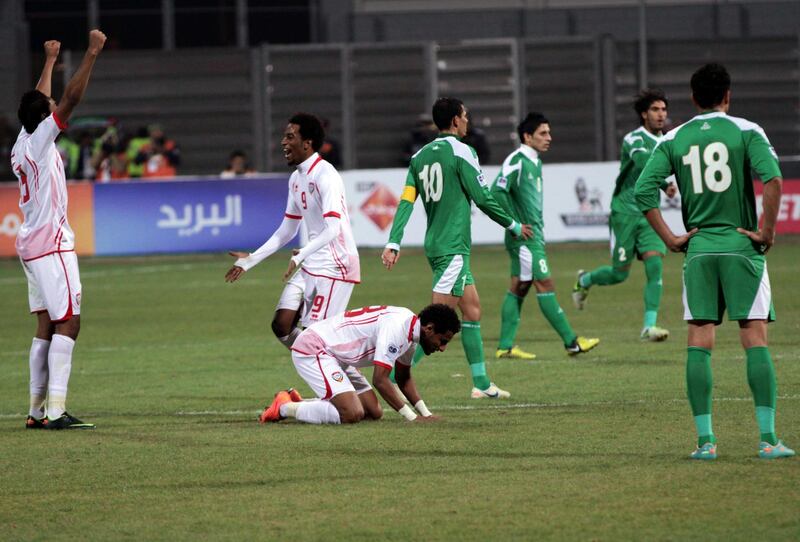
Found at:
(476, 138)
(85, 170)
(423, 132)
(159, 156)
(7, 138)
(136, 143)
(330, 149)
(109, 156)
(70, 153)
(238, 166)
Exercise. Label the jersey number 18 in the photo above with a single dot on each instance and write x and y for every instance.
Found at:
(717, 174)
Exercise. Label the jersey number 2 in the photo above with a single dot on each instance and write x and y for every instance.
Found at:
(432, 182)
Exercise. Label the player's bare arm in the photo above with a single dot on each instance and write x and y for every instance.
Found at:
(675, 243)
(771, 203)
(77, 85)
(51, 49)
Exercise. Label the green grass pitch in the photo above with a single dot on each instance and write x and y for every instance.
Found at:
(174, 365)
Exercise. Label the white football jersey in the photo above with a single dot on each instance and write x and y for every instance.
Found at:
(43, 192)
(380, 335)
(316, 191)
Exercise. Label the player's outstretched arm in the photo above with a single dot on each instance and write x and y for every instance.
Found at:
(51, 49)
(765, 236)
(77, 85)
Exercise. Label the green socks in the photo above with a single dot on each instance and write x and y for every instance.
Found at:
(473, 348)
(653, 268)
(603, 276)
(509, 320)
(698, 386)
(552, 311)
(761, 377)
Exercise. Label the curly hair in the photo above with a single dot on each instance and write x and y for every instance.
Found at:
(310, 128)
(645, 98)
(34, 107)
(443, 317)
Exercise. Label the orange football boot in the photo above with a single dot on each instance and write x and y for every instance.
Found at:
(295, 395)
(273, 412)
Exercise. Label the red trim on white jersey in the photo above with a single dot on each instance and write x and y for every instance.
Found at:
(356, 358)
(328, 304)
(48, 254)
(411, 328)
(331, 278)
(61, 124)
(317, 161)
(293, 217)
(333, 214)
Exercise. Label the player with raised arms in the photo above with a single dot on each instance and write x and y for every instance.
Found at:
(383, 337)
(725, 267)
(631, 235)
(45, 242)
(448, 177)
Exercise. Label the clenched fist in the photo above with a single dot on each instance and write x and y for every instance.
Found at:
(51, 48)
(96, 41)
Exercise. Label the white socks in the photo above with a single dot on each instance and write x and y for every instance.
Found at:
(289, 339)
(312, 412)
(39, 372)
(59, 361)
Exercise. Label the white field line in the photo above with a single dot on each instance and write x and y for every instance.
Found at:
(498, 406)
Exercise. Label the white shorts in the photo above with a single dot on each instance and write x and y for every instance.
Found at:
(324, 297)
(323, 373)
(54, 285)
(292, 295)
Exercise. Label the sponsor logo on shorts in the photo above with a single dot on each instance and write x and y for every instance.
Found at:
(78, 298)
(337, 376)
(392, 349)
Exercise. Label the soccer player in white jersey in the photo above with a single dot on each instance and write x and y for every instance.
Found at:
(45, 242)
(383, 337)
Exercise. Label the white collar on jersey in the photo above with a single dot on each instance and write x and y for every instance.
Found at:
(415, 332)
(649, 134)
(306, 164)
(530, 152)
(710, 115)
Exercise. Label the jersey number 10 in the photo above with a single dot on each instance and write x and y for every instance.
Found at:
(432, 182)
(717, 174)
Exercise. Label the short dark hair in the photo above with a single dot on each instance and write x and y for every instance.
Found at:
(310, 128)
(237, 154)
(530, 124)
(709, 85)
(34, 107)
(645, 98)
(443, 317)
(444, 110)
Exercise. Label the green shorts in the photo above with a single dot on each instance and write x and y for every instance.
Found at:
(736, 281)
(632, 236)
(528, 260)
(451, 274)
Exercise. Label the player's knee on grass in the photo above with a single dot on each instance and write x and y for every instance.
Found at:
(372, 408)
(349, 407)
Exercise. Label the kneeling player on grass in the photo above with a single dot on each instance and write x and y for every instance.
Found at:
(384, 337)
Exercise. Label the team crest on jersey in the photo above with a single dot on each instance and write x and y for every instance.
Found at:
(311, 188)
(502, 182)
(705, 126)
(337, 376)
(481, 179)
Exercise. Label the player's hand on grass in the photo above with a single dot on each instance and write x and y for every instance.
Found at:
(761, 237)
(678, 243)
(96, 41)
(389, 257)
(527, 231)
(235, 272)
(671, 190)
(51, 48)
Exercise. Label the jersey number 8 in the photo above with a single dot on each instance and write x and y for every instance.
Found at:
(432, 182)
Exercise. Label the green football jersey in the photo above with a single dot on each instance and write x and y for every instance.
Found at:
(446, 174)
(712, 156)
(637, 146)
(518, 188)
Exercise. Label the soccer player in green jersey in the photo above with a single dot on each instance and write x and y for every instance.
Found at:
(448, 177)
(725, 268)
(631, 235)
(518, 188)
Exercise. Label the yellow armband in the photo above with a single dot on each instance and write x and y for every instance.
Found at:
(409, 194)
